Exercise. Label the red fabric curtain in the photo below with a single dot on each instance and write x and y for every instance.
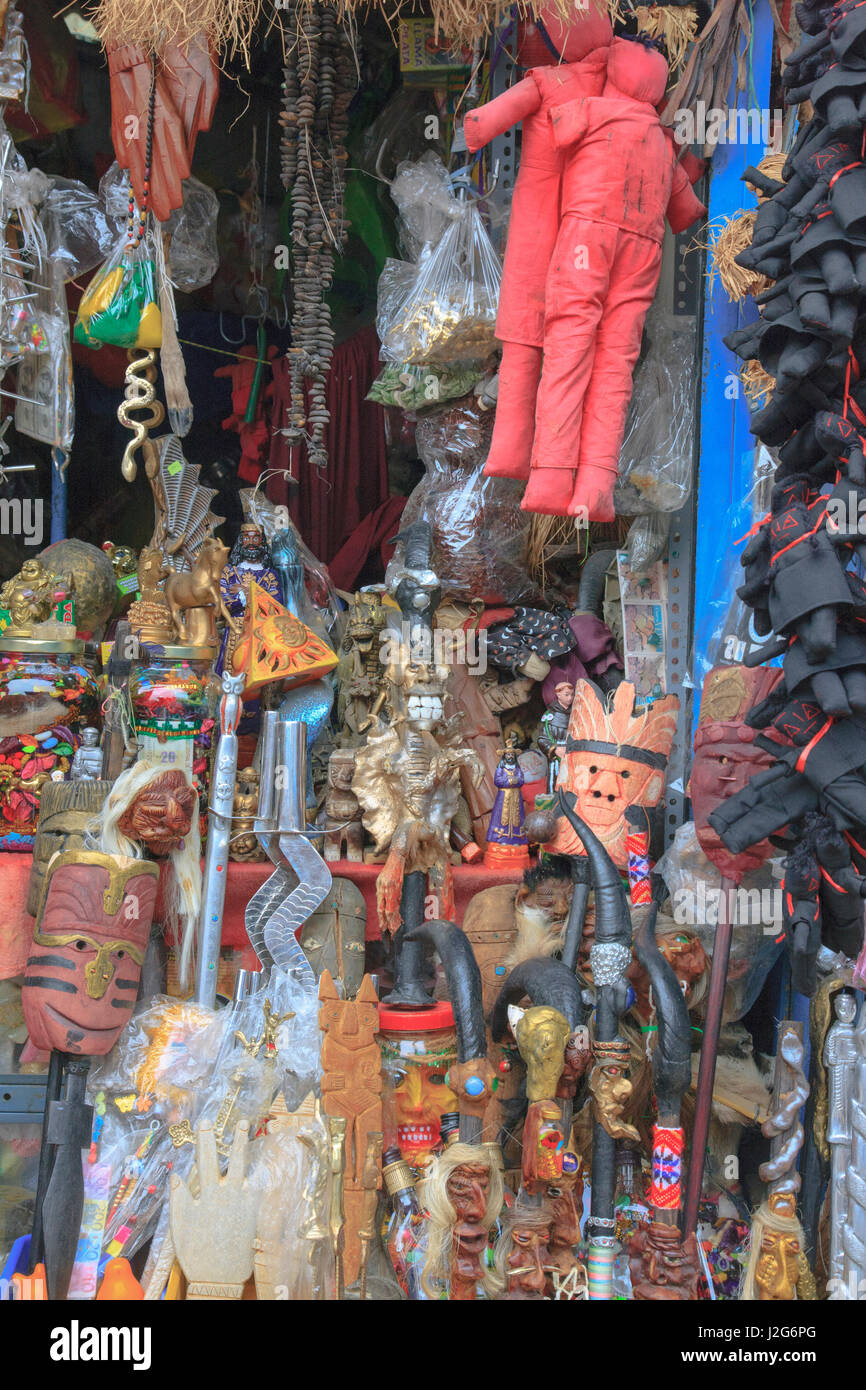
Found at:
(328, 506)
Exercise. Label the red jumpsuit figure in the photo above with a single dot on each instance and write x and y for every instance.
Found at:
(255, 435)
(534, 220)
(620, 180)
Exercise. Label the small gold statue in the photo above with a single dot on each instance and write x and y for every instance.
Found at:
(781, 1271)
(30, 597)
(150, 616)
(542, 1034)
(611, 1089)
(195, 599)
(244, 847)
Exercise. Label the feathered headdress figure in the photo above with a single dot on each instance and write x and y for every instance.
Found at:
(615, 756)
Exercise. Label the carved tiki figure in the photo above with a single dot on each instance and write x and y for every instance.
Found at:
(726, 758)
(342, 809)
(614, 758)
(351, 1089)
(89, 941)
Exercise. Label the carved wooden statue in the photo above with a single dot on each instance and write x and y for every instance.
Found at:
(342, 809)
(351, 1088)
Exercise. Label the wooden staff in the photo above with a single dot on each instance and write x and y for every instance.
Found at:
(707, 1068)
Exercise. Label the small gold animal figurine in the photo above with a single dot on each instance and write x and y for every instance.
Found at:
(195, 599)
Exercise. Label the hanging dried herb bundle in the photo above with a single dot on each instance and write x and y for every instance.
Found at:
(320, 81)
(228, 24)
(463, 22)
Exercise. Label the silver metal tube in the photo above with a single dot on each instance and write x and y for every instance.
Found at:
(293, 776)
(217, 852)
(267, 770)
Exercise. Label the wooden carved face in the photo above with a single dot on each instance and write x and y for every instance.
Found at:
(351, 1023)
(662, 1267)
(82, 977)
(726, 757)
(683, 951)
(468, 1189)
(161, 814)
(614, 758)
(725, 760)
(528, 1261)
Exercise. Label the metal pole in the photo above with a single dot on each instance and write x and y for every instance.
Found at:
(707, 1069)
(217, 852)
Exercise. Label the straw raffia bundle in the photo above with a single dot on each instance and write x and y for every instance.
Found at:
(757, 383)
(726, 243)
(154, 24)
(463, 22)
(676, 26)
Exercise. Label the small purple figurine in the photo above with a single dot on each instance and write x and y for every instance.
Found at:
(506, 842)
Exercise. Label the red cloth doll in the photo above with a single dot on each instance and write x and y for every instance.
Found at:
(255, 436)
(534, 221)
(620, 181)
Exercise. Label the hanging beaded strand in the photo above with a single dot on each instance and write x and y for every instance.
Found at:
(135, 237)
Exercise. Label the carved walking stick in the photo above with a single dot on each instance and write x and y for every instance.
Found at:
(707, 1065)
(610, 957)
(663, 1265)
(840, 1059)
(471, 1078)
(777, 1268)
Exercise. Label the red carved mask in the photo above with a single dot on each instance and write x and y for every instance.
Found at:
(161, 814)
(82, 977)
(726, 758)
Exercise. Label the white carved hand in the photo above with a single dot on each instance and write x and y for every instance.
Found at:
(213, 1232)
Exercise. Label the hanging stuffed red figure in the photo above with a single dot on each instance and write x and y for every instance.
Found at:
(619, 182)
(569, 61)
(254, 434)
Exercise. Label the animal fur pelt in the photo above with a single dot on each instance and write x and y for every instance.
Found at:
(537, 935)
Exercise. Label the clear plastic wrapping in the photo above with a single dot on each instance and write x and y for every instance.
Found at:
(699, 900)
(193, 252)
(312, 586)
(417, 387)
(447, 310)
(480, 535)
(647, 541)
(656, 459)
(77, 230)
(422, 191)
(724, 628)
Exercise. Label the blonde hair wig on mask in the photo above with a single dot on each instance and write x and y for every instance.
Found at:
(434, 1196)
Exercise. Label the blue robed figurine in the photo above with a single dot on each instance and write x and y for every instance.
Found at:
(507, 845)
(249, 560)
